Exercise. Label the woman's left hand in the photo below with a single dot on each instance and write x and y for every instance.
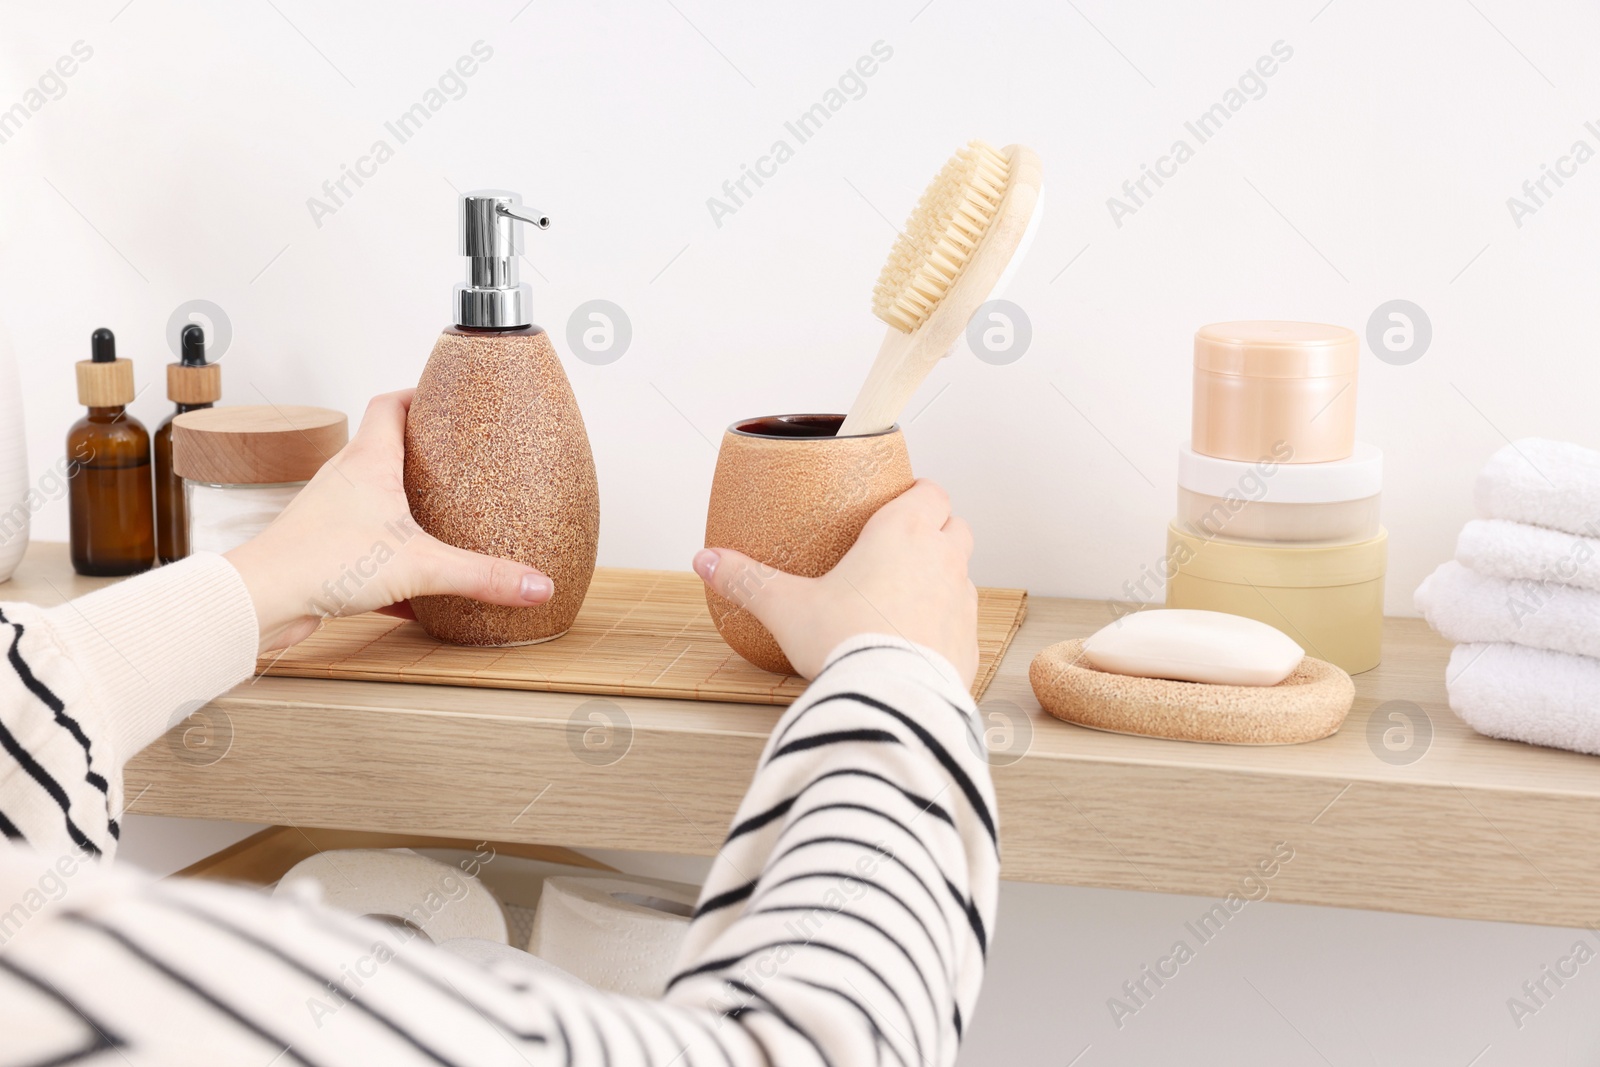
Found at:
(347, 544)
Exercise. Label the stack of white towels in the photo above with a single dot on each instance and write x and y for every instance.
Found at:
(1522, 599)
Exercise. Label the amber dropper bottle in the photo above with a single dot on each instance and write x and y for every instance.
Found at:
(192, 384)
(108, 454)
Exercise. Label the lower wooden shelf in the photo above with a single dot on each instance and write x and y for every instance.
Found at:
(1454, 825)
(267, 855)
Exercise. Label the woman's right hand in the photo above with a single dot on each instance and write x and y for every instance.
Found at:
(905, 576)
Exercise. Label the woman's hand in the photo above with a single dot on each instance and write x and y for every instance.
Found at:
(348, 544)
(906, 575)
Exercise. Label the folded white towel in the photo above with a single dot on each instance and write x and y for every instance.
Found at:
(1527, 694)
(1502, 549)
(1471, 608)
(1545, 483)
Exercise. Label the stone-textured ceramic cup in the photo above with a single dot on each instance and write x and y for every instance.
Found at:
(790, 494)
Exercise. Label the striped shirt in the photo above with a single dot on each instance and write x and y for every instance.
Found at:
(844, 921)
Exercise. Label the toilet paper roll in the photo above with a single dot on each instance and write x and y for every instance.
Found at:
(397, 885)
(615, 933)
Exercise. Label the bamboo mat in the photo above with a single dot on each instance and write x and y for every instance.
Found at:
(640, 633)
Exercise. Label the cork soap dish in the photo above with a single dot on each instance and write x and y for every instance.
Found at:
(1309, 704)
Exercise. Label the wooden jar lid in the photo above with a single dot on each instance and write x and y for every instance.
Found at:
(105, 385)
(194, 385)
(255, 445)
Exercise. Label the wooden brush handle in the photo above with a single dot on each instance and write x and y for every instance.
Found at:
(905, 359)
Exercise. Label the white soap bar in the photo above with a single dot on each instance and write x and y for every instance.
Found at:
(1194, 646)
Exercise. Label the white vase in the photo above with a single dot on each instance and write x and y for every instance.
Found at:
(13, 464)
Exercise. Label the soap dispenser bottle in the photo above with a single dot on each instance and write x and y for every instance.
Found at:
(497, 458)
(109, 496)
(192, 384)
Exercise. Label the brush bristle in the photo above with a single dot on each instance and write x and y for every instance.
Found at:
(940, 236)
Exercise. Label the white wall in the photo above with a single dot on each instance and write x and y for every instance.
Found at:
(1377, 165)
(1390, 141)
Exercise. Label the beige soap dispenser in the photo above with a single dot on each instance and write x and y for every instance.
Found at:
(497, 458)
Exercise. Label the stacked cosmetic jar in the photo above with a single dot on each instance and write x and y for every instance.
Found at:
(1277, 502)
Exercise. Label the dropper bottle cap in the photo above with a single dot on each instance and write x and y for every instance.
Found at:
(104, 381)
(103, 346)
(492, 297)
(192, 380)
(194, 346)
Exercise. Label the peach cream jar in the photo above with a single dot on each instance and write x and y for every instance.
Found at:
(1263, 387)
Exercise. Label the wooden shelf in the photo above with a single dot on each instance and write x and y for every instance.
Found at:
(1475, 828)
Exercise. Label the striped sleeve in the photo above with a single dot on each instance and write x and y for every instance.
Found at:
(88, 684)
(844, 923)
(849, 912)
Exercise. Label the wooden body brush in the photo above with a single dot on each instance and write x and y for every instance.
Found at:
(969, 225)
